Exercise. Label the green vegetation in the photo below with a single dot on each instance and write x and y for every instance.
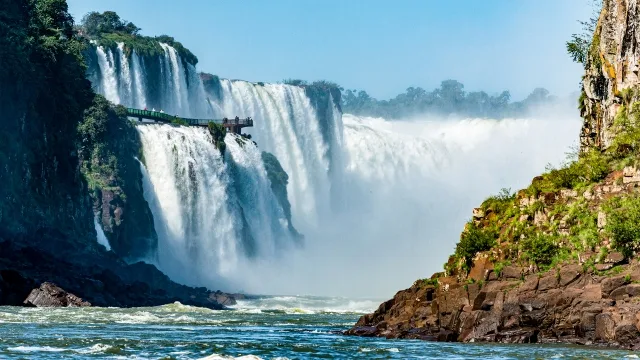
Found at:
(430, 282)
(473, 240)
(497, 268)
(95, 24)
(279, 181)
(218, 133)
(540, 249)
(623, 224)
(499, 203)
(584, 46)
(449, 98)
(179, 121)
(108, 29)
(44, 93)
(108, 144)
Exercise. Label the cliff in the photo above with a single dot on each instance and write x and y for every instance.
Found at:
(54, 149)
(109, 150)
(611, 77)
(557, 261)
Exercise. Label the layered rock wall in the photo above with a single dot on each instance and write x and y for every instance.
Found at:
(612, 66)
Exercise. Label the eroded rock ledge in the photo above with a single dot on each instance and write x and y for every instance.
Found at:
(568, 305)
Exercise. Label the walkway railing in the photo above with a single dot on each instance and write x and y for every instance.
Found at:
(166, 118)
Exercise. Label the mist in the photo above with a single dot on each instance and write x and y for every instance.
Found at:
(409, 186)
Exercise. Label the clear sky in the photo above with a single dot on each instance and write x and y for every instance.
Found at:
(382, 46)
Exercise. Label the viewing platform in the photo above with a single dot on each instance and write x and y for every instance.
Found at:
(232, 125)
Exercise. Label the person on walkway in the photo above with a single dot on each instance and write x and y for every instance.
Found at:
(145, 108)
(154, 109)
(161, 111)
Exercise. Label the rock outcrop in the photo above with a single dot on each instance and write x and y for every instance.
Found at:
(565, 305)
(51, 295)
(612, 69)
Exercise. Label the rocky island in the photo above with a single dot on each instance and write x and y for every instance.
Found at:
(558, 261)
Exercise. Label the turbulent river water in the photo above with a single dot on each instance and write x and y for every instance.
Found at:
(269, 328)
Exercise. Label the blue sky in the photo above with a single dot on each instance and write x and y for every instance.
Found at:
(382, 46)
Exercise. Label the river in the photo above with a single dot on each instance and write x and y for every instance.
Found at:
(284, 327)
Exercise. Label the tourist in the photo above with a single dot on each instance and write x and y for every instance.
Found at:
(161, 111)
(154, 109)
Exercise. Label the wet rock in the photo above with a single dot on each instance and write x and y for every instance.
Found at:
(366, 331)
(50, 295)
(627, 335)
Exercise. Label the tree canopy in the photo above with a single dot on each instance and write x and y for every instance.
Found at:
(95, 24)
(450, 98)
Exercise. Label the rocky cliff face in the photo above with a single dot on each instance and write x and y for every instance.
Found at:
(612, 67)
(109, 152)
(54, 147)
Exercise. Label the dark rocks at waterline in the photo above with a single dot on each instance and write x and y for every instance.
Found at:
(51, 295)
(565, 305)
(89, 272)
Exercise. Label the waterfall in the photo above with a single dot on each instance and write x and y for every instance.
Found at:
(109, 85)
(163, 82)
(211, 214)
(288, 127)
(375, 199)
(101, 237)
(138, 81)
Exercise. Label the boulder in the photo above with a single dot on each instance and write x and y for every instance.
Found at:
(548, 282)
(569, 273)
(605, 327)
(511, 272)
(530, 283)
(627, 335)
(612, 283)
(50, 295)
(614, 257)
(480, 269)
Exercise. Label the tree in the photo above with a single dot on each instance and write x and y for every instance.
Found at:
(94, 24)
(580, 44)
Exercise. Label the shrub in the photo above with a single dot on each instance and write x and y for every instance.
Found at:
(501, 202)
(540, 249)
(474, 240)
(623, 225)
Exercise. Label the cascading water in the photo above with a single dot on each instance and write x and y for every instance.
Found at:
(211, 215)
(163, 82)
(287, 126)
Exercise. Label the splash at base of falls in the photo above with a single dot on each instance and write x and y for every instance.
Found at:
(409, 187)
